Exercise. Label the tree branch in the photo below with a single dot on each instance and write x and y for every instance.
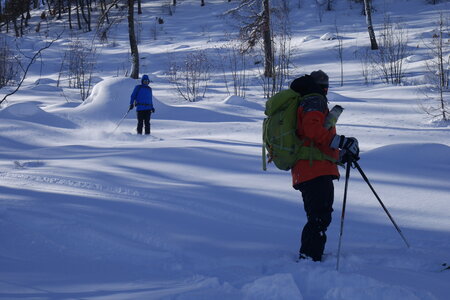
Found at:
(33, 59)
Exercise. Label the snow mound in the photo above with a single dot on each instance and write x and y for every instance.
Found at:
(239, 101)
(30, 112)
(108, 101)
(182, 47)
(307, 38)
(328, 36)
(430, 159)
(46, 88)
(277, 286)
(45, 81)
(335, 97)
(415, 58)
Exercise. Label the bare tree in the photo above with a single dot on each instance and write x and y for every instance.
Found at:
(267, 39)
(9, 68)
(26, 69)
(320, 7)
(329, 5)
(85, 8)
(107, 19)
(281, 54)
(255, 18)
(139, 7)
(17, 13)
(133, 42)
(340, 52)
(368, 12)
(438, 72)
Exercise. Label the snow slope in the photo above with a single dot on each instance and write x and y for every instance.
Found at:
(89, 211)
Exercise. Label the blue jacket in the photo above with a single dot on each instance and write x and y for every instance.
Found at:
(142, 97)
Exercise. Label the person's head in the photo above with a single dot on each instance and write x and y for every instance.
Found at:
(145, 80)
(321, 78)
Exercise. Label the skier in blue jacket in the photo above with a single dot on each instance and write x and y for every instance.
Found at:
(142, 99)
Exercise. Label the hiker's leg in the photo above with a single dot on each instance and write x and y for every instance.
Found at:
(318, 196)
(140, 124)
(147, 121)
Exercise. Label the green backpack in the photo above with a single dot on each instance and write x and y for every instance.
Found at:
(279, 133)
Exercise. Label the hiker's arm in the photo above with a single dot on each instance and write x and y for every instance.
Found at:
(133, 95)
(151, 98)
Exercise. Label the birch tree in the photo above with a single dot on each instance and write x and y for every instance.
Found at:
(133, 42)
(439, 72)
(368, 12)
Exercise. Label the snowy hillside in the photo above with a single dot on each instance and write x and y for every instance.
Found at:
(89, 210)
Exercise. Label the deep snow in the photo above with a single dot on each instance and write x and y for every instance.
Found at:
(187, 213)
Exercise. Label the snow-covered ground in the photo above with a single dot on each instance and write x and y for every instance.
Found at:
(91, 211)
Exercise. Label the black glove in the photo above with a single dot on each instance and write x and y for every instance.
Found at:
(153, 110)
(131, 106)
(346, 157)
(349, 144)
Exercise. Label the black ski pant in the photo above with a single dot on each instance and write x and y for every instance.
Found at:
(143, 118)
(318, 196)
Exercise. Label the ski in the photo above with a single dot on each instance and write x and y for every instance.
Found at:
(446, 267)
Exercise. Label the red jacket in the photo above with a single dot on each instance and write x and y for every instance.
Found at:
(310, 128)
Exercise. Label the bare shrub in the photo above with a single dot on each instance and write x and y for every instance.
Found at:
(340, 52)
(8, 66)
(191, 77)
(393, 49)
(233, 62)
(78, 65)
(438, 69)
(365, 60)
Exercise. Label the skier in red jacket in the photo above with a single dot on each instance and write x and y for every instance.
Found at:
(314, 178)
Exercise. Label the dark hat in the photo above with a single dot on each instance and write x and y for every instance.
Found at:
(320, 77)
(145, 78)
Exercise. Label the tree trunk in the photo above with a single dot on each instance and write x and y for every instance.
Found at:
(441, 66)
(267, 39)
(60, 7)
(78, 15)
(133, 42)
(83, 14)
(89, 9)
(69, 4)
(329, 6)
(368, 11)
(139, 7)
(28, 12)
(16, 28)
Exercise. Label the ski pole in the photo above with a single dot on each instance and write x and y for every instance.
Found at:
(347, 176)
(118, 124)
(381, 202)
